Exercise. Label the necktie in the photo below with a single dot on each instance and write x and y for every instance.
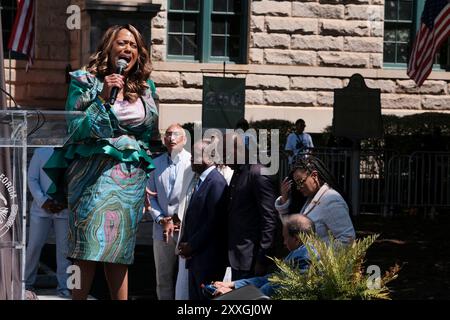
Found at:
(193, 187)
(189, 192)
(172, 175)
(197, 186)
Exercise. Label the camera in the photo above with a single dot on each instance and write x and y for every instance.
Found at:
(299, 145)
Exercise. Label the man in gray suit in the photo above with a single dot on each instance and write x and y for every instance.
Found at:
(167, 181)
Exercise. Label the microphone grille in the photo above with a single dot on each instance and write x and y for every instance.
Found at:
(122, 63)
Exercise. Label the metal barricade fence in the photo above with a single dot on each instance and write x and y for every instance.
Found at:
(337, 161)
(373, 170)
(421, 179)
(388, 179)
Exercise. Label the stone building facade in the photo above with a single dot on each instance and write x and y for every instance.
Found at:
(296, 53)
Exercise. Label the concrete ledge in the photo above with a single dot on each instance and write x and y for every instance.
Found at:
(316, 118)
(293, 70)
(37, 64)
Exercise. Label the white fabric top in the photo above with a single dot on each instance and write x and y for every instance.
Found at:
(226, 172)
(129, 113)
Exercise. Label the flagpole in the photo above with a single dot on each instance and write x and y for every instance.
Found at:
(6, 286)
(12, 285)
(2, 66)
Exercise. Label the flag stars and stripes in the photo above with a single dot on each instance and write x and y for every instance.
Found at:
(435, 29)
(22, 35)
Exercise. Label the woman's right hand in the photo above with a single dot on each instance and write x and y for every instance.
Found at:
(285, 188)
(111, 81)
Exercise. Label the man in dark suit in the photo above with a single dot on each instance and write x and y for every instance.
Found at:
(203, 237)
(252, 217)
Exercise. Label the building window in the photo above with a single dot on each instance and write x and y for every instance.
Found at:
(184, 21)
(398, 25)
(8, 9)
(208, 31)
(401, 22)
(104, 14)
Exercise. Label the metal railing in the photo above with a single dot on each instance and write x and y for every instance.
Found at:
(337, 161)
(421, 179)
(388, 179)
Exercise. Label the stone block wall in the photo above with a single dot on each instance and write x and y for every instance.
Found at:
(331, 35)
(307, 91)
(299, 52)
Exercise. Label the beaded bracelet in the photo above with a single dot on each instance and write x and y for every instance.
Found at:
(101, 99)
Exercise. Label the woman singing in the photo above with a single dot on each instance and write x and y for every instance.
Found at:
(106, 161)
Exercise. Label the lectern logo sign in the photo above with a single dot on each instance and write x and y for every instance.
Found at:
(8, 205)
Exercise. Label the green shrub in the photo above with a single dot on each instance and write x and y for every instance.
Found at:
(417, 124)
(285, 127)
(338, 274)
(428, 131)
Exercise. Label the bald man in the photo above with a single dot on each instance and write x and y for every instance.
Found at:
(167, 181)
(292, 227)
(252, 217)
(203, 235)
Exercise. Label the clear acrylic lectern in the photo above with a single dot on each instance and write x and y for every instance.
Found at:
(21, 130)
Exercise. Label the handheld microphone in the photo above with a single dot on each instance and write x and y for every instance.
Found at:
(121, 66)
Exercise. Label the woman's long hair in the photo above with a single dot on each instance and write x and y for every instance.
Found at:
(297, 198)
(100, 64)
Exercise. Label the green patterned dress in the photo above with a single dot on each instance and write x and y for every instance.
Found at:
(102, 172)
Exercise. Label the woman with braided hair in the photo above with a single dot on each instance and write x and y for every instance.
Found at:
(324, 205)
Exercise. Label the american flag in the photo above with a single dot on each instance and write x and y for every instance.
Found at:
(22, 35)
(434, 30)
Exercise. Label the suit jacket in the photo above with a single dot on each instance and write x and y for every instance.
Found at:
(164, 203)
(204, 223)
(252, 217)
(329, 212)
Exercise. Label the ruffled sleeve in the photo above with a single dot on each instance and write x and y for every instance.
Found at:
(83, 96)
(99, 132)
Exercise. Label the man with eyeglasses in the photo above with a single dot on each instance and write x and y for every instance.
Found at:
(167, 181)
